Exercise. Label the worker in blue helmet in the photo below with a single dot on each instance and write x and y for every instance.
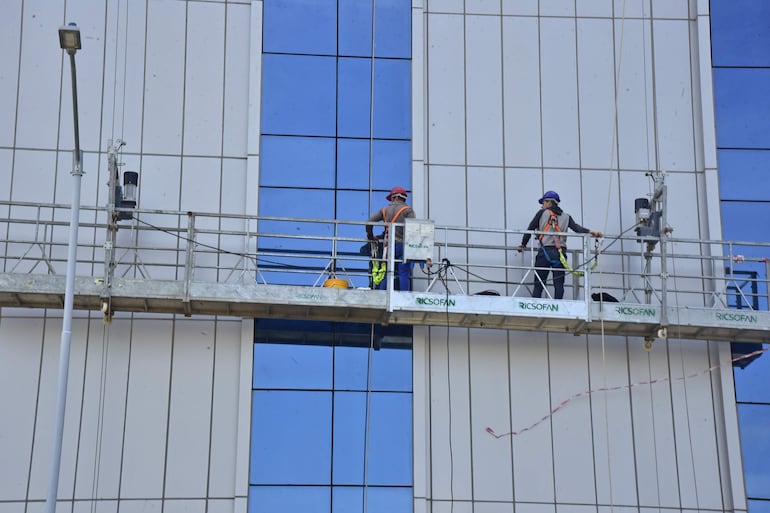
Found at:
(551, 255)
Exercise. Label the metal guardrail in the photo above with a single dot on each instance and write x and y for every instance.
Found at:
(193, 247)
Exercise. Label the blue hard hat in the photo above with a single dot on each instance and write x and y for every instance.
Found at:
(551, 195)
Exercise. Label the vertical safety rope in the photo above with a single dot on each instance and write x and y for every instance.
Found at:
(100, 415)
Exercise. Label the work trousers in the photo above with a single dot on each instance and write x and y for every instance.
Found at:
(548, 259)
(403, 278)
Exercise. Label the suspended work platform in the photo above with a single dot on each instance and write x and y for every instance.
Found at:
(203, 264)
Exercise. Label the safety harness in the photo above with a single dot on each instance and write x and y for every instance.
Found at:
(553, 225)
(379, 266)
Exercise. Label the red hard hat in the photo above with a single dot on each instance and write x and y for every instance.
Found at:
(400, 191)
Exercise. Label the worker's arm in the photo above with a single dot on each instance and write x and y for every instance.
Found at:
(580, 229)
(376, 217)
(534, 224)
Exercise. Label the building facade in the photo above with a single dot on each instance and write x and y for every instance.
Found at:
(314, 109)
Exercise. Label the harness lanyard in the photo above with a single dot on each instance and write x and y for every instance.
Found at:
(553, 225)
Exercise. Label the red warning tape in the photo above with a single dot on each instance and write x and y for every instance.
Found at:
(565, 402)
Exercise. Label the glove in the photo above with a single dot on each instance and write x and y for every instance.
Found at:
(521, 248)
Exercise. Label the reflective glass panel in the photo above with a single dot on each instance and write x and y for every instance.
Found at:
(392, 99)
(759, 506)
(390, 445)
(349, 437)
(736, 225)
(355, 33)
(289, 499)
(292, 366)
(741, 104)
(740, 32)
(393, 28)
(391, 165)
(353, 163)
(355, 103)
(297, 161)
(290, 437)
(752, 384)
(753, 421)
(737, 168)
(300, 26)
(299, 95)
(378, 499)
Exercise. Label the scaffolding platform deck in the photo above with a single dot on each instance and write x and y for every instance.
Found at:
(251, 300)
(189, 263)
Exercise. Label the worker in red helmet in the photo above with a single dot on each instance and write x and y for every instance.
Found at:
(553, 246)
(395, 212)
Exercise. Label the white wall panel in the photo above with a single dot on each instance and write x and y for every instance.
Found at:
(521, 95)
(567, 183)
(103, 409)
(99, 506)
(483, 82)
(658, 481)
(482, 6)
(486, 197)
(523, 187)
(521, 8)
(490, 406)
(224, 427)
(164, 83)
(535, 508)
(10, 39)
(635, 113)
(12, 507)
(557, 8)
(221, 506)
(529, 403)
(125, 92)
(34, 176)
(141, 506)
(673, 95)
(595, 8)
(421, 413)
(21, 344)
(237, 86)
(447, 195)
(450, 415)
(445, 6)
(632, 8)
(559, 92)
(190, 411)
(204, 79)
(40, 81)
(234, 193)
(147, 409)
(670, 9)
(200, 187)
(611, 421)
(493, 507)
(573, 460)
(596, 94)
(694, 418)
(446, 91)
(601, 205)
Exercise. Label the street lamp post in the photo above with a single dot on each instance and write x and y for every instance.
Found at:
(69, 40)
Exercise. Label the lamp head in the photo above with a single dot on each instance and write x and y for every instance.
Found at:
(69, 38)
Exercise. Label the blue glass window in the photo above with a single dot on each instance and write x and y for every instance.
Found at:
(355, 79)
(391, 38)
(392, 99)
(289, 499)
(297, 161)
(349, 437)
(738, 168)
(292, 366)
(355, 18)
(378, 500)
(754, 420)
(391, 164)
(391, 369)
(752, 384)
(353, 163)
(740, 32)
(291, 437)
(759, 506)
(300, 26)
(736, 221)
(741, 104)
(299, 95)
